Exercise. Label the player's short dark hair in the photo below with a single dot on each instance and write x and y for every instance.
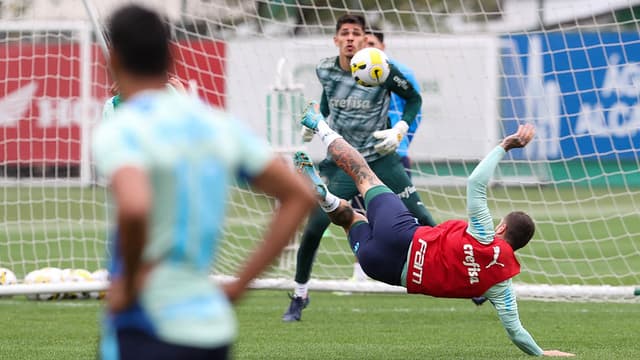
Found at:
(140, 37)
(375, 31)
(520, 229)
(350, 19)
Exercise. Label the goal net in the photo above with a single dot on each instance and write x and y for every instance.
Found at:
(484, 66)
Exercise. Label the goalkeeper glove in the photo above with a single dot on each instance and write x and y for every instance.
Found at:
(307, 134)
(390, 138)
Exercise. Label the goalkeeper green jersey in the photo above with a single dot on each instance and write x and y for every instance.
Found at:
(357, 111)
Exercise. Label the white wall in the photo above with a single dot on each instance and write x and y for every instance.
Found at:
(75, 9)
(523, 15)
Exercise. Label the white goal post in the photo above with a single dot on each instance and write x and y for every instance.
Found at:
(484, 66)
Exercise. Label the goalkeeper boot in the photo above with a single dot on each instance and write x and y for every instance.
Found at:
(294, 312)
(312, 116)
(304, 165)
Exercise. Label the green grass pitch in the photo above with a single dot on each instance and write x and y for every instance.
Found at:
(359, 326)
(348, 326)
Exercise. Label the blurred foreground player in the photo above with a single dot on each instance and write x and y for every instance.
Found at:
(169, 160)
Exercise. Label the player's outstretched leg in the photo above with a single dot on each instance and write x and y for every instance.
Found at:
(339, 211)
(345, 155)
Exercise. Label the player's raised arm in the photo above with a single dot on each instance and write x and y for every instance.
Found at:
(390, 139)
(398, 83)
(502, 295)
(503, 299)
(480, 220)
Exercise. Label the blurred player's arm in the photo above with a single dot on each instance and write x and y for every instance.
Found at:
(273, 176)
(295, 200)
(119, 159)
(132, 193)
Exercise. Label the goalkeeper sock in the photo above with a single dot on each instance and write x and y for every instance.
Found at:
(329, 203)
(301, 290)
(327, 135)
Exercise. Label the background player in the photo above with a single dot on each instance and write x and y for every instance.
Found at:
(115, 100)
(169, 160)
(375, 38)
(360, 115)
(456, 259)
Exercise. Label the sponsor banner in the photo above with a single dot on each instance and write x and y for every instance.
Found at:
(39, 103)
(579, 89)
(42, 112)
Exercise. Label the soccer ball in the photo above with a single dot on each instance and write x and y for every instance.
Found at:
(370, 67)
(47, 275)
(7, 277)
(99, 275)
(76, 275)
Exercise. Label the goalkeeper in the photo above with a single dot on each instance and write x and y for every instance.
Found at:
(456, 259)
(360, 114)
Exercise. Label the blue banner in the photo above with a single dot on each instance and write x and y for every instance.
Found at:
(581, 90)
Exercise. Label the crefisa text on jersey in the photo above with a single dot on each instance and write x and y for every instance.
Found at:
(473, 267)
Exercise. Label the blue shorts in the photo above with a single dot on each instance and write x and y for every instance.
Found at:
(135, 344)
(381, 245)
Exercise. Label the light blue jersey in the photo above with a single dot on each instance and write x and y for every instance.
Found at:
(191, 154)
(396, 109)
